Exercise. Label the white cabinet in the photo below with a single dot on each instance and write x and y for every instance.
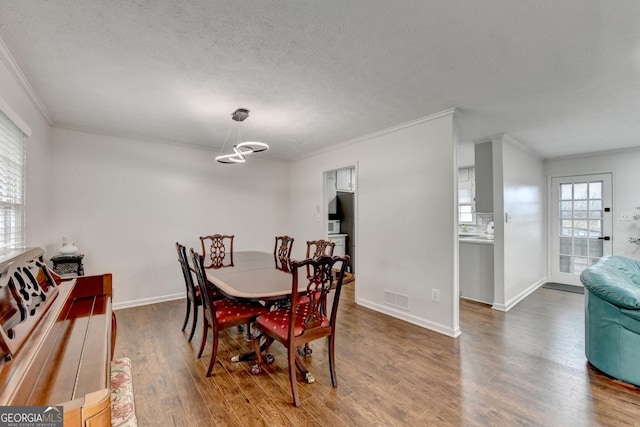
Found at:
(340, 241)
(476, 271)
(345, 180)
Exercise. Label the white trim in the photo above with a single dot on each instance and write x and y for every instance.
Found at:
(14, 117)
(402, 315)
(7, 58)
(521, 146)
(595, 153)
(376, 134)
(139, 138)
(522, 295)
(147, 301)
(508, 138)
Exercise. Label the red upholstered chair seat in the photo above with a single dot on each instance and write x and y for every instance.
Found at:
(228, 310)
(277, 321)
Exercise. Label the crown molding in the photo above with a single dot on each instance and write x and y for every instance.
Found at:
(448, 112)
(15, 117)
(508, 138)
(9, 60)
(132, 137)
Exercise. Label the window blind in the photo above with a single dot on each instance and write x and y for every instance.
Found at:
(12, 183)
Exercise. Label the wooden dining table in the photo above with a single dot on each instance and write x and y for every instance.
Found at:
(251, 275)
(255, 276)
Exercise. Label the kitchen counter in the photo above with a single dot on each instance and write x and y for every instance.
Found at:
(482, 238)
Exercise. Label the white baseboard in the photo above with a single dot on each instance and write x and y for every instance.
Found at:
(147, 301)
(522, 295)
(407, 317)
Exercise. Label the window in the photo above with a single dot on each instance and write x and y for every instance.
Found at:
(12, 165)
(466, 196)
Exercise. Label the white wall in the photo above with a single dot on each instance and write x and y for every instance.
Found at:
(126, 202)
(624, 166)
(406, 218)
(38, 184)
(520, 245)
(466, 154)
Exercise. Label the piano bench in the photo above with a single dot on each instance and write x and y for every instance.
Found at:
(123, 411)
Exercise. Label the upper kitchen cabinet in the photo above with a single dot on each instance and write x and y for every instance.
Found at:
(484, 177)
(345, 180)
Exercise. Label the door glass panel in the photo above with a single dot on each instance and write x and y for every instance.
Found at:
(595, 208)
(566, 245)
(580, 216)
(579, 264)
(595, 228)
(580, 191)
(580, 228)
(595, 249)
(580, 247)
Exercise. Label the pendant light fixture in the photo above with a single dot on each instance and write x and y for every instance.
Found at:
(240, 149)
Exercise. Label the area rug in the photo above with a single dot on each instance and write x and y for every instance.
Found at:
(563, 287)
(123, 412)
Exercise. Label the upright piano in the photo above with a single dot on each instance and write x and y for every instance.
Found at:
(56, 339)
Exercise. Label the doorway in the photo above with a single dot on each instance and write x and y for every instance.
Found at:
(580, 224)
(340, 204)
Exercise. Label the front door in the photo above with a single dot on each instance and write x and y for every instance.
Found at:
(580, 225)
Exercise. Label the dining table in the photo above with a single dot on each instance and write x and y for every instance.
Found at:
(251, 275)
(255, 276)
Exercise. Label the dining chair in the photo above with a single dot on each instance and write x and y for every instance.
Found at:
(283, 246)
(193, 290)
(282, 252)
(217, 249)
(301, 323)
(221, 313)
(318, 248)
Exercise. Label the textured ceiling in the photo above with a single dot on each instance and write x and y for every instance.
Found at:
(562, 77)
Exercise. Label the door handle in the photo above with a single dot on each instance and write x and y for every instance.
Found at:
(604, 238)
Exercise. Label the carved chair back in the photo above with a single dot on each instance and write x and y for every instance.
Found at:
(319, 248)
(283, 246)
(217, 250)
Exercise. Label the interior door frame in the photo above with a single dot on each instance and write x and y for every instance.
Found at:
(553, 226)
(324, 210)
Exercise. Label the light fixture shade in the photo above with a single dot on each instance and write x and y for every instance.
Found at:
(241, 149)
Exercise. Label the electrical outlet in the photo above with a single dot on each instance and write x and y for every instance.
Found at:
(435, 295)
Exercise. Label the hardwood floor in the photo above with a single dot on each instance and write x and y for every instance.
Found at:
(525, 367)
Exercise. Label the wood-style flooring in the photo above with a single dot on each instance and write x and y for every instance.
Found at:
(524, 367)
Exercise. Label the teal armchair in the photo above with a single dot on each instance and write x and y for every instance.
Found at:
(612, 317)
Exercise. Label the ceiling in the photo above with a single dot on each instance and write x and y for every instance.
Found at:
(560, 76)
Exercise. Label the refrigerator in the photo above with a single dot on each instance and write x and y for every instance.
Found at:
(346, 209)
